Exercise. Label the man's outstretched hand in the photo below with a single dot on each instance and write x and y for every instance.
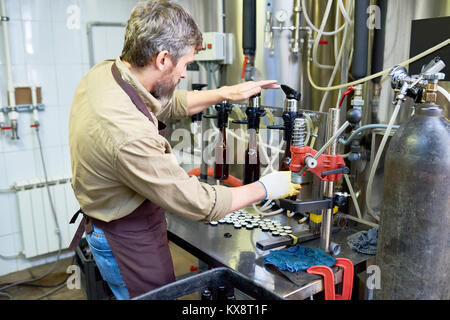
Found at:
(245, 90)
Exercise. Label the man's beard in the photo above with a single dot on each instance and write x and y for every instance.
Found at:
(163, 90)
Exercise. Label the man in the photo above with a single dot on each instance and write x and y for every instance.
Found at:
(124, 175)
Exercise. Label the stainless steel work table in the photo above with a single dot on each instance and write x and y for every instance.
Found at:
(239, 252)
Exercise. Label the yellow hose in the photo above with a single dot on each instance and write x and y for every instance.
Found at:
(376, 75)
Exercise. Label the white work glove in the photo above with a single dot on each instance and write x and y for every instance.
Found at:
(278, 185)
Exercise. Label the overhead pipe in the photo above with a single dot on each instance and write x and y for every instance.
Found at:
(89, 27)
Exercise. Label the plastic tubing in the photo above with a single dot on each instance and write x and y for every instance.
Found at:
(347, 216)
(267, 205)
(376, 75)
(313, 27)
(352, 193)
(264, 153)
(319, 35)
(335, 69)
(266, 214)
(344, 13)
(335, 42)
(444, 93)
(377, 159)
(321, 32)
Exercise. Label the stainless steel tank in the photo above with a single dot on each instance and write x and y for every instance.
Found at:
(281, 63)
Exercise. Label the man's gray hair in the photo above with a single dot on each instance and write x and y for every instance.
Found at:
(159, 25)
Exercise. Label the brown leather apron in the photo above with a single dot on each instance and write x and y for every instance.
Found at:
(139, 240)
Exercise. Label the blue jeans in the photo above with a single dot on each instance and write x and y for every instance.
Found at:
(107, 264)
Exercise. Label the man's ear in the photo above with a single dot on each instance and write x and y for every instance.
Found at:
(163, 61)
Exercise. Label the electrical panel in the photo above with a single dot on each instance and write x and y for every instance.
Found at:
(217, 47)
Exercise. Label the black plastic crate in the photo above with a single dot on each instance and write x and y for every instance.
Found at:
(211, 280)
(92, 283)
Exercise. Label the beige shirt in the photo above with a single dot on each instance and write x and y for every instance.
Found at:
(119, 159)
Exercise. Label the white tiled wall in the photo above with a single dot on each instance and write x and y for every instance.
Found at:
(44, 51)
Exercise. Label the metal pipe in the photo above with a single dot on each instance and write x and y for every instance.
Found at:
(295, 48)
(34, 104)
(220, 16)
(327, 215)
(89, 27)
(336, 133)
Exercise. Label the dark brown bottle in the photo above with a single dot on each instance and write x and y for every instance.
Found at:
(252, 160)
(221, 168)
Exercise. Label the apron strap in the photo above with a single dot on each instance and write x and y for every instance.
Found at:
(75, 216)
(84, 226)
(134, 96)
(131, 92)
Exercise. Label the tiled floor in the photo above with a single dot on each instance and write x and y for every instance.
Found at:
(182, 261)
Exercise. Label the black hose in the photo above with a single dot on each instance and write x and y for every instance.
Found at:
(378, 42)
(361, 40)
(249, 27)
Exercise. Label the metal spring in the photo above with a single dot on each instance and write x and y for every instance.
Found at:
(298, 133)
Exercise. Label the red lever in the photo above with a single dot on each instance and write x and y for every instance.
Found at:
(6, 128)
(193, 268)
(325, 162)
(323, 42)
(346, 92)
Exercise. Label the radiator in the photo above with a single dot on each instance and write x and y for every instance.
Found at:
(36, 219)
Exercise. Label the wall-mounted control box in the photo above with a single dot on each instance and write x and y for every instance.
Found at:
(216, 47)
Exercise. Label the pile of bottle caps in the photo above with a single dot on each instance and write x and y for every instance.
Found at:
(241, 219)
